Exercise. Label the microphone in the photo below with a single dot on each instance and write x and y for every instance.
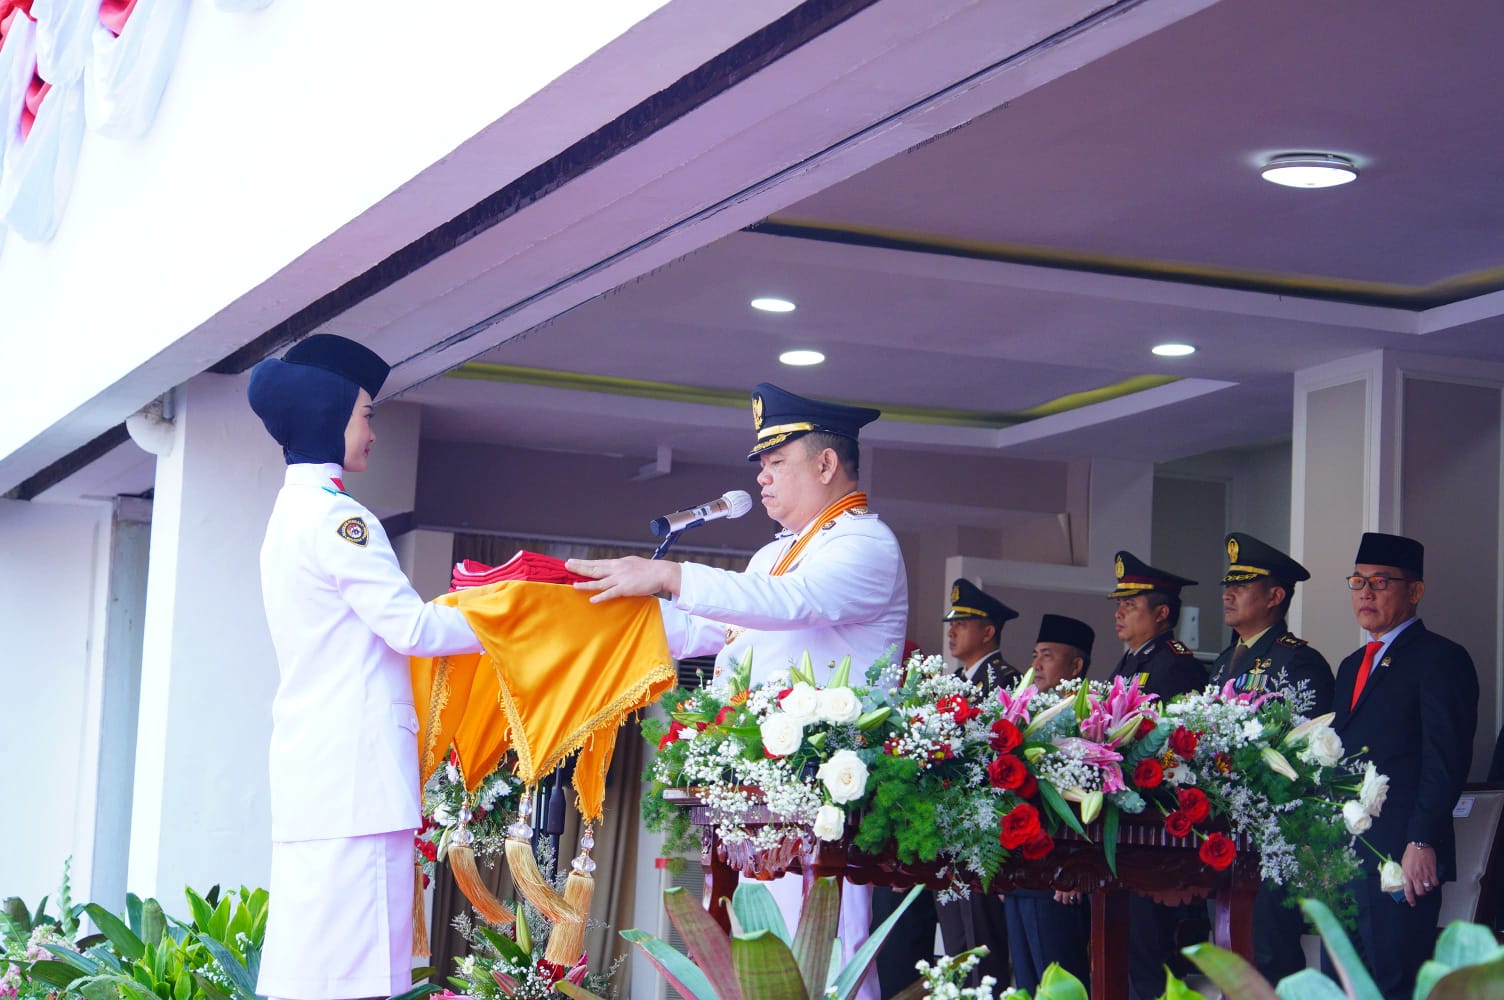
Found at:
(733, 504)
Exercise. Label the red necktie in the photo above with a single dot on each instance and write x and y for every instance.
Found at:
(1369, 652)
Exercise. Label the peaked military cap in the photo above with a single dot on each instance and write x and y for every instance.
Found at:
(779, 416)
(1250, 559)
(967, 600)
(1137, 577)
(1378, 549)
(1067, 631)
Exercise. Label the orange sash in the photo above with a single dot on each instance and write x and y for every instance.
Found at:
(827, 517)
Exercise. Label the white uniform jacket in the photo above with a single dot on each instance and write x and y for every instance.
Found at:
(847, 594)
(343, 619)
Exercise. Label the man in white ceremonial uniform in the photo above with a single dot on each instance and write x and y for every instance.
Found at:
(344, 756)
(831, 583)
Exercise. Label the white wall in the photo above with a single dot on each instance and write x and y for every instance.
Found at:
(53, 578)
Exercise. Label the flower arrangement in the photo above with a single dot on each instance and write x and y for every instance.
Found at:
(917, 762)
(507, 964)
(446, 804)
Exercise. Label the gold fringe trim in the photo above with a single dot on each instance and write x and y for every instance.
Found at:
(534, 887)
(566, 942)
(420, 916)
(467, 877)
(438, 701)
(609, 718)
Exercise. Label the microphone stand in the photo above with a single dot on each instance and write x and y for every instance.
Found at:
(669, 539)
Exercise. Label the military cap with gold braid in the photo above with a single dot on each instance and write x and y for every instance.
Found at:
(1250, 559)
(779, 416)
(967, 600)
(1137, 577)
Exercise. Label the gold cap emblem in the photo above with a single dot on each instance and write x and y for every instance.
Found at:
(757, 412)
(1119, 567)
(1232, 550)
(955, 595)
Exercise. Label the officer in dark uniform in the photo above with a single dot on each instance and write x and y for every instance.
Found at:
(1148, 608)
(976, 621)
(1147, 612)
(1046, 926)
(1265, 656)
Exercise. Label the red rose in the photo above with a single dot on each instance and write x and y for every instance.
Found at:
(1194, 804)
(428, 849)
(1005, 736)
(1020, 826)
(1029, 788)
(426, 880)
(1183, 742)
(1039, 846)
(674, 729)
(724, 714)
(965, 712)
(1148, 774)
(1178, 824)
(1007, 772)
(1145, 727)
(550, 972)
(1217, 850)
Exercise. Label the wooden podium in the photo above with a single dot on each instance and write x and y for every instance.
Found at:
(1149, 862)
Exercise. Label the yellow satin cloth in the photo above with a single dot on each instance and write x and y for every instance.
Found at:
(559, 674)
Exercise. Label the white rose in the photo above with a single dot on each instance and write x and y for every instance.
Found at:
(838, 705)
(1356, 817)
(1374, 791)
(844, 775)
(830, 823)
(1323, 746)
(442, 815)
(1252, 730)
(452, 772)
(782, 734)
(802, 703)
(1391, 876)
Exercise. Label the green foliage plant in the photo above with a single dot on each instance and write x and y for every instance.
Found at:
(760, 959)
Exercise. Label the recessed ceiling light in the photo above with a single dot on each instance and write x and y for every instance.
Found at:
(801, 358)
(773, 305)
(1173, 350)
(1309, 170)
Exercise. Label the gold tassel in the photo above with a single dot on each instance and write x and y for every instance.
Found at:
(525, 874)
(566, 942)
(420, 916)
(467, 876)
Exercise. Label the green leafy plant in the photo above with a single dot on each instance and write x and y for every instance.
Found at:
(760, 959)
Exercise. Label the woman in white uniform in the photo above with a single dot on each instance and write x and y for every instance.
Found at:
(344, 758)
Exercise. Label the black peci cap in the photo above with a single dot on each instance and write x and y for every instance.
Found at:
(1378, 549)
(1068, 631)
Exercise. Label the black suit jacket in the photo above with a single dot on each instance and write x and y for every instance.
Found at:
(1415, 722)
(1279, 652)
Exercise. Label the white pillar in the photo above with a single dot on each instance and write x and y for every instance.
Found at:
(1410, 445)
(200, 811)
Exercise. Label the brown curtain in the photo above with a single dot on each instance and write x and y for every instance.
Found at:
(615, 853)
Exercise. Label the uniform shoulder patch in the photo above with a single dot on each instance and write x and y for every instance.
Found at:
(353, 529)
(1180, 648)
(1291, 640)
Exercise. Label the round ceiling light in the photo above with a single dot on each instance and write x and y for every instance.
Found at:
(1309, 170)
(801, 358)
(1173, 350)
(773, 305)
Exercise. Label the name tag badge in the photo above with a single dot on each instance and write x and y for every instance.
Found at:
(1464, 807)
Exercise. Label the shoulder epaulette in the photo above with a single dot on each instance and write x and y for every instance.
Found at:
(1180, 648)
(1291, 640)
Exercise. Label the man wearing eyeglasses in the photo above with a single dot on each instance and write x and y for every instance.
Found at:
(1410, 697)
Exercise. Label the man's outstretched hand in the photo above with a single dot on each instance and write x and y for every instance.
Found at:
(632, 576)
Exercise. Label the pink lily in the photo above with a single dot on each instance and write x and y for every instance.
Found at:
(1103, 758)
(1016, 703)
(576, 975)
(1233, 696)
(1116, 720)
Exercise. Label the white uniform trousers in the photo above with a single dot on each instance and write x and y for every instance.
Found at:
(341, 918)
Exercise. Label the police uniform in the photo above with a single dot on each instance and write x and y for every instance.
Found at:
(344, 757)
(844, 593)
(979, 919)
(1040, 930)
(1277, 659)
(1165, 667)
(968, 602)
